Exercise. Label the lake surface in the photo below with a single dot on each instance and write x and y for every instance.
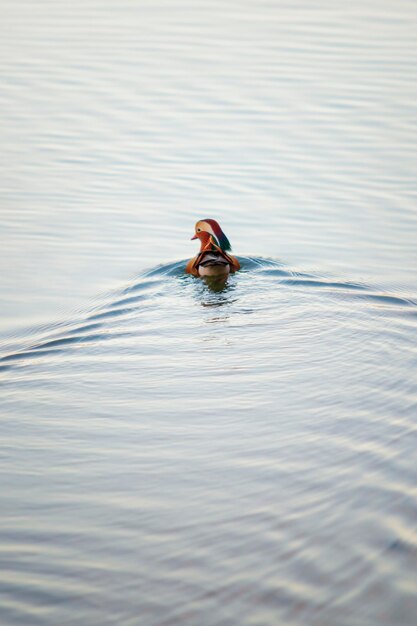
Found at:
(173, 455)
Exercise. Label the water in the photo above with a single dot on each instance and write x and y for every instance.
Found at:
(172, 454)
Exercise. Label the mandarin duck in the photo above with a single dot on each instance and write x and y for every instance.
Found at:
(213, 258)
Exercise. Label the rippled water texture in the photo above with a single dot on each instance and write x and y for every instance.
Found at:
(173, 454)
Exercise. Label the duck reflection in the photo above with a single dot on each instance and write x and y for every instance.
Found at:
(216, 292)
(217, 284)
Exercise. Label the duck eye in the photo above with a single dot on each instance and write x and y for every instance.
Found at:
(199, 230)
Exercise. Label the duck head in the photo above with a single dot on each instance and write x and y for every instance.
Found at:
(209, 232)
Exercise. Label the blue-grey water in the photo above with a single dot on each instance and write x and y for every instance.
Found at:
(173, 455)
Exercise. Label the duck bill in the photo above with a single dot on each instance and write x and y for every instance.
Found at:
(195, 237)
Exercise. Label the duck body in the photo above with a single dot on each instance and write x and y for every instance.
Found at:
(213, 258)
